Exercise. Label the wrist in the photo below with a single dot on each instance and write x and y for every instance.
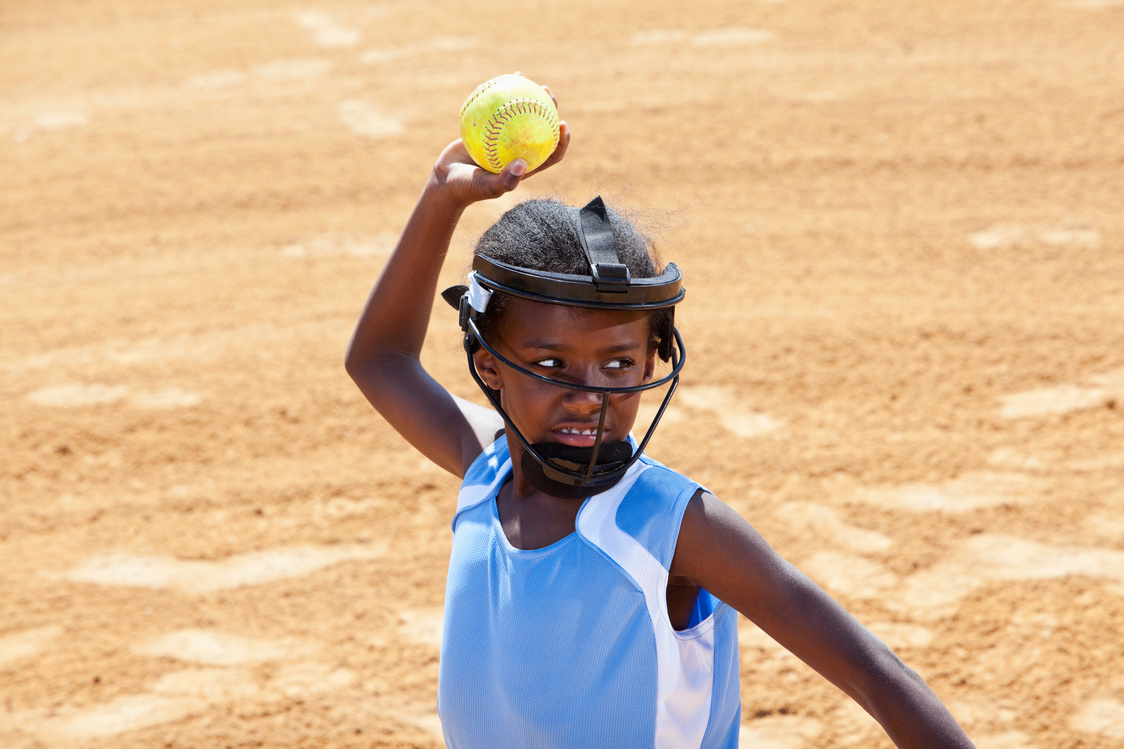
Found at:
(439, 195)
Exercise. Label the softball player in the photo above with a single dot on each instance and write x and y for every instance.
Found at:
(592, 592)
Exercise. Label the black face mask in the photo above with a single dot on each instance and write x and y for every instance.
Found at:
(575, 472)
(545, 458)
(561, 470)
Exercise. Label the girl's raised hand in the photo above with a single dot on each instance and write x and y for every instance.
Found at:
(457, 174)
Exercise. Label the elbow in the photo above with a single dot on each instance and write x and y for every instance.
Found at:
(351, 362)
(362, 366)
(371, 372)
(362, 362)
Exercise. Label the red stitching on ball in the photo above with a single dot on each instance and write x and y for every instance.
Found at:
(500, 118)
(485, 86)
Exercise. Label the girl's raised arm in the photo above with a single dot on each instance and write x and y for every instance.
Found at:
(383, 356)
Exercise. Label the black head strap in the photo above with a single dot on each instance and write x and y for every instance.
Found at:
(596, 234)
(610, 285)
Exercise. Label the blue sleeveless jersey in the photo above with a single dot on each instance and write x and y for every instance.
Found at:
(571, 645)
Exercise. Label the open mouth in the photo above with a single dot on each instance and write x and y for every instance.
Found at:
(577, 436)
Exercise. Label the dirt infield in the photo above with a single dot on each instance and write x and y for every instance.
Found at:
(903, 244)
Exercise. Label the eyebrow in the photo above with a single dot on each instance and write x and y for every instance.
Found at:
(546, 345)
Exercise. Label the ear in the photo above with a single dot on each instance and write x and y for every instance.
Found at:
(488, 369)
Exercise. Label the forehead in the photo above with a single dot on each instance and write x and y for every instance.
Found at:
(524, 321)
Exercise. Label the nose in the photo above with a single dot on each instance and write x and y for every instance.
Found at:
(581, 402)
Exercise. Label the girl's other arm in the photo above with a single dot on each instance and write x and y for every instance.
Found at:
(722, 553)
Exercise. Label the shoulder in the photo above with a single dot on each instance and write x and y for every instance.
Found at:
(714, 540)
(707, 513)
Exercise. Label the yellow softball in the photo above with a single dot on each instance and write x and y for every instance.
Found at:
(508, 118)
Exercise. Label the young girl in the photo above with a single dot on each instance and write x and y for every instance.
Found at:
(592, 592)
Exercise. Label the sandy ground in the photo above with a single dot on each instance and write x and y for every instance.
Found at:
(902, 235)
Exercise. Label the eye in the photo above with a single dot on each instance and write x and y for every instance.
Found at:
(548, 363)
(619, 364)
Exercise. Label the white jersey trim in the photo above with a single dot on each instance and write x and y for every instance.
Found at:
(684, 660)
(473, 494)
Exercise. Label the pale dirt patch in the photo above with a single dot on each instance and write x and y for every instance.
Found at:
(731, 37)
(900, 635)
(1005, 740)
(311, 677)
(421, 625)
(987, 558)
(122, 715)
(370, 120)
(732, 415)
(334, 245)
(1106, 525)
(430, 723)
(218, 79)
(165, 398)
(779, 732)
(193, 576)
(15, 646)
(1052, 400)
(209, 685)
(825, 522)
(752, 637)
(96, 394)
(1013, 460)
(970, 492)
(849, 574)
(301, 69)
(983, 711)
(223, 648)
(1010, 236)
(79, 394)
(1096, 391)
(437, 45)
(327, 30)
(1094, 4)
(1104, 717)
(179, 694)
(647, 412)
(52, 121)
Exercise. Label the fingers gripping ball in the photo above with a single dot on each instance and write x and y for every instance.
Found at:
(508, 118)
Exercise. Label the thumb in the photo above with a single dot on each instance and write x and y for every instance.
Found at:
(513, 173)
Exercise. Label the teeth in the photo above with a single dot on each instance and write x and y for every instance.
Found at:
(588, 432)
